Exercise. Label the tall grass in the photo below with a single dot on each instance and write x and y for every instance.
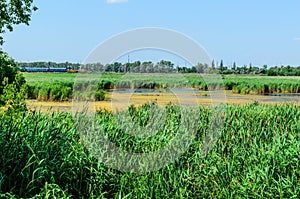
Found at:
(257, 156)
(51, 91)
(59, 87)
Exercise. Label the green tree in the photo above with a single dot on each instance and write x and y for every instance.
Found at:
(221, 65)
(8, 69)
(12, 84)
(13, 96)
(250, 69)
(202, 68)
(234, 67)
(213, 64)
(14, 12)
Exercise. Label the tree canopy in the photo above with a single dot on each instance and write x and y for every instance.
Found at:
(8, 69)
(14, 12)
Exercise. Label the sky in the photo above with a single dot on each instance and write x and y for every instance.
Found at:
(257, 31)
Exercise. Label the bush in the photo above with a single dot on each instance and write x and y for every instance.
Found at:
(13, 96)
(105, 84)
(100, 95)
(8, 69)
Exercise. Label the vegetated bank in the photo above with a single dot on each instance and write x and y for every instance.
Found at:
(256, 156)
(60, 87)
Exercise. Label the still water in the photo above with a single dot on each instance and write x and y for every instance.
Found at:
(122, 98)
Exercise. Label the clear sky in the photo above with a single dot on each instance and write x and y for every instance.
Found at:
(244, 31)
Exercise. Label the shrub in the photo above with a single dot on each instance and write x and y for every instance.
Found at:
(100, 95)
(8, 69)
(105, 84)
(13, 96)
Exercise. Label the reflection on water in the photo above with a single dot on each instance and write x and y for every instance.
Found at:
(230, 97)
(283, 94)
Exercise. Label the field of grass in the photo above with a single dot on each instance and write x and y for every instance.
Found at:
(60, 87)
(256, 156)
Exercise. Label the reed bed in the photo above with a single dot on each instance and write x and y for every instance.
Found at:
(63, 87)
(256, 156)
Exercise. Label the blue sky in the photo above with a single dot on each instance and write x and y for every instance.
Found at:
(260, 32)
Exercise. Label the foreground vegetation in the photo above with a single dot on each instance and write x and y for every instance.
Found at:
(60, 87)
(257, 156)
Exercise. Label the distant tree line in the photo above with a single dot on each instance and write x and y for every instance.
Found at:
(164, 66)
(263, 70)
(135, 67)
